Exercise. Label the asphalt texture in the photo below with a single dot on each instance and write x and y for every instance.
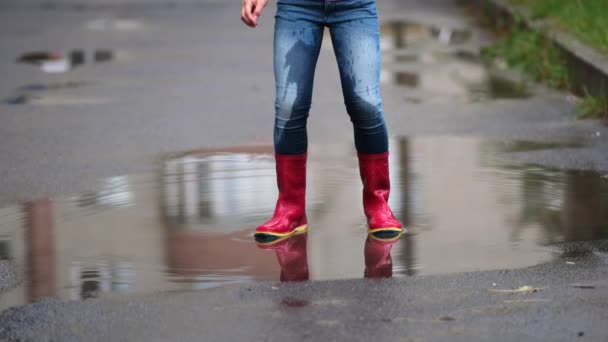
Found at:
(560, 302)
(191, 76)
(9, 275)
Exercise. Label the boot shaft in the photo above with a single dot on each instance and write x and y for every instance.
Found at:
(374, 171)
(291, 176)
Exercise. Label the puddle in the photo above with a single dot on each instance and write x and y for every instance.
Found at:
(190, 225)
(57, 93)
(441, 64)
(54, 100)
(498, 88)
(48, 93)
(400, 34)
(55, 62)
(406, 58)
(409, 79)
(53, 86)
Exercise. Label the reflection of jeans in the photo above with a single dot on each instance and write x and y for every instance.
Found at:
(353, 25)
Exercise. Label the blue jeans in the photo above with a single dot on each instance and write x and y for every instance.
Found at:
(355, 35)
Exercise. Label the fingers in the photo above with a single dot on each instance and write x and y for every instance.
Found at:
(258, 8)
(251, 11)
(247, 13)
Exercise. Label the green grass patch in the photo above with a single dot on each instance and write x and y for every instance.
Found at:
(538, 58)
(587, 19)
(593, 107)
(533, 54)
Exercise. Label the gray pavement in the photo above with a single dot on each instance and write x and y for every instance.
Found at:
(188, 75)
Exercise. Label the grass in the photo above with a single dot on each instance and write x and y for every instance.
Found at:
(533, 54)
(593, 107)
(536, 56)
(587, 19)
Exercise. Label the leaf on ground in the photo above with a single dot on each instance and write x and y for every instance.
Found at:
(518, 301)
(523, 289)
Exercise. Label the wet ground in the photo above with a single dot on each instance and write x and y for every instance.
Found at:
(491, 175)
(443, 64)
(190, 226)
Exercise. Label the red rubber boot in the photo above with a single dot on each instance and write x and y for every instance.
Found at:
(289, 215)
(376, 188)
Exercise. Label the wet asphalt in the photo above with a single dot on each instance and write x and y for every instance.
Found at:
(191, 76)
(563, 301)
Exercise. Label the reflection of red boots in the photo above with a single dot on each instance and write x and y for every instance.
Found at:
(291, 254)
(378, 262)
(289, 215)
(376, 188)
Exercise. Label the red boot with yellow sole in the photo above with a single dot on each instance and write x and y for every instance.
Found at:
(290, 214)
(376, 188)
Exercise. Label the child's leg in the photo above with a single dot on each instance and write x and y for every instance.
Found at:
(356, 39)
(297, 42)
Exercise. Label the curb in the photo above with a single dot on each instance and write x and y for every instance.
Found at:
(587, 68)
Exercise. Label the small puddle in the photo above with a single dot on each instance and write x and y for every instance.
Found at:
(437, 63)
(56, 62)
(37, 94)
(54, 93)
(54, 100)
(57, 93)
(190, 225)
(53, 86)
(400, 34)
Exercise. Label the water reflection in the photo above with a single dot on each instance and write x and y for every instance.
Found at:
(190, 226)
(61, 62)
(40, 249)
(570, 206)
(378, 261)
(291, 255)
(400, 34)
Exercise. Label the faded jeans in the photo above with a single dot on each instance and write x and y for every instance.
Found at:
(355, 35)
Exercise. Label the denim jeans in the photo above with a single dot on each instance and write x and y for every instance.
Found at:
(355, 36)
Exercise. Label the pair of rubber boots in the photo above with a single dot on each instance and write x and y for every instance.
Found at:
(290, 214)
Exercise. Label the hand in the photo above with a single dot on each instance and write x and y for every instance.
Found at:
(251, 11)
